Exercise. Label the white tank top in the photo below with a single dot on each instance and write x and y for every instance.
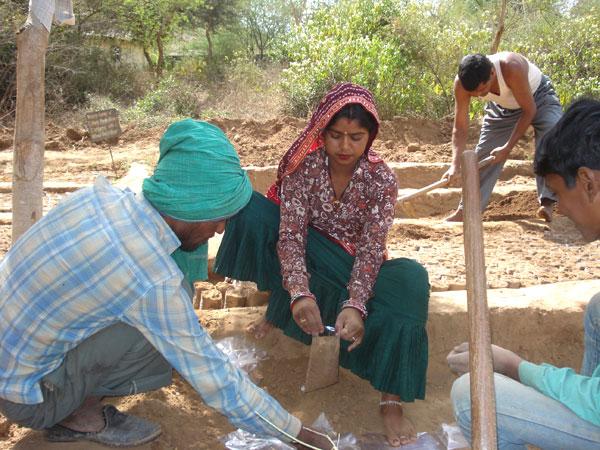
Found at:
(506, 99)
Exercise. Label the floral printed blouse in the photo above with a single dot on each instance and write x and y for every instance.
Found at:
(361, 220)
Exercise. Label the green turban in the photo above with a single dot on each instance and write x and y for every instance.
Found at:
(198, 178)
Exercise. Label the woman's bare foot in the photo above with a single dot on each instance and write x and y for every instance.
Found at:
(87, 418)
(259, 328)
(399, 430)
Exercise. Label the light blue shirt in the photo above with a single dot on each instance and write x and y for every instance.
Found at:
(100, 257)
(581, 394)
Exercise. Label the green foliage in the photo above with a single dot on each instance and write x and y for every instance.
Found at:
(153, 23)
(405, 54)
(12, 16)
(568, 51)
(170, 96)
(225, 55)
(263, 22)
(75, 70)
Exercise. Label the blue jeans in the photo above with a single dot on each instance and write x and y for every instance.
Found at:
(526, 416)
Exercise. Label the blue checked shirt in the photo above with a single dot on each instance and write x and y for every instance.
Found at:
(100, 257)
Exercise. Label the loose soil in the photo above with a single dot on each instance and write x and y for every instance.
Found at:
(521, 250)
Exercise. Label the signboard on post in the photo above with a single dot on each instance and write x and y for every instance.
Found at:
(104, 126)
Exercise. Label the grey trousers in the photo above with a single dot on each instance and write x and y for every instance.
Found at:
(498, 125)
(116, 361)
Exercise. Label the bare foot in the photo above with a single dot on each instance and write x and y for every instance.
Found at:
(87, 418)
(259, 328)
(456, 216)
(399, 430)
(545, 212)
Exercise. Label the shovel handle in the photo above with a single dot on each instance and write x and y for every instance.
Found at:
(440, 183)
(430, 187)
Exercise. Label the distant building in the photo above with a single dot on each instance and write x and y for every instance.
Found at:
(121, 48)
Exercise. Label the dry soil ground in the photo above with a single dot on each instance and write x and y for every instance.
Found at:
(520, 249)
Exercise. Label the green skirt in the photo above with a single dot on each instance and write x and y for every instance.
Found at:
(393, 354)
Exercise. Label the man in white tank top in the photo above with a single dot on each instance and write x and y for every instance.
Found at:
(518, 95)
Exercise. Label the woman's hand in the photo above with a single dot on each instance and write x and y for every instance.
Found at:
(350, 327)
(307, 315)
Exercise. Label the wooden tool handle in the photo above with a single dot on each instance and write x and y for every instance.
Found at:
(440, 183)
(430, 187)
(483, 403)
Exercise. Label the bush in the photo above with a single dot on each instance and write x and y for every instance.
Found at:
(172, 97)
(406, 54)
(568, 51)
(75, 70)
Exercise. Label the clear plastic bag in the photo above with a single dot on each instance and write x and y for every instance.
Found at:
(242, 440)
(345, 441)
(241, 353)
(239, 439)
(425, 441)
(452, 437)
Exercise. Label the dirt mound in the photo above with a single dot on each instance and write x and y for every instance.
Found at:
(417, 232)
(261, 143)
(518, 205)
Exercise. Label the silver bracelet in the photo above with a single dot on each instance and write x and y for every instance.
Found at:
(390, 403)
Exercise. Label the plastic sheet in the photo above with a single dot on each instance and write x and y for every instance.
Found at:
(242, 440)
(241, 353)
(452, 437)
(239, 439)
(425, 441)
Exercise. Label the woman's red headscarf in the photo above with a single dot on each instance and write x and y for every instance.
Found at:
(310, 139)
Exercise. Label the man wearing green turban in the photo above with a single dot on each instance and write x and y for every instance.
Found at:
(103, 279)
(197, 182)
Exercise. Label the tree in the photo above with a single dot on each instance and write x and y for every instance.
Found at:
(499, 27)
(264, 21)
(153, 23)
(212, 15)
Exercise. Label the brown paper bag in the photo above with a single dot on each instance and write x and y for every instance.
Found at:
(323, 363)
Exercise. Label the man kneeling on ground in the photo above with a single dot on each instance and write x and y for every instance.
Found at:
(94, 301)
(542, 405)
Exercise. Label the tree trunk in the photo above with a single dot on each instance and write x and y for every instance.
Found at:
(209, 53)
(148, 59)
(28, 156)
(160, 62)
(500, 28)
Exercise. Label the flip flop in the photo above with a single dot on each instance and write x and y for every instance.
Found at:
(120, 430)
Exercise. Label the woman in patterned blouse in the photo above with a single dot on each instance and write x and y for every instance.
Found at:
(337, 201)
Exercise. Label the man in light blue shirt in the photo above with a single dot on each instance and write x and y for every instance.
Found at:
(94, 302)
(542, 405)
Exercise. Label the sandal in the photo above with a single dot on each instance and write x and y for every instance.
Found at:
(120, 430)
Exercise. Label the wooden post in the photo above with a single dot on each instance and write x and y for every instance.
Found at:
(28, 156)
(483, 402)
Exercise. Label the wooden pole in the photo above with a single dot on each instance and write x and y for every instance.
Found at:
(28, 156)
(483, 403)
